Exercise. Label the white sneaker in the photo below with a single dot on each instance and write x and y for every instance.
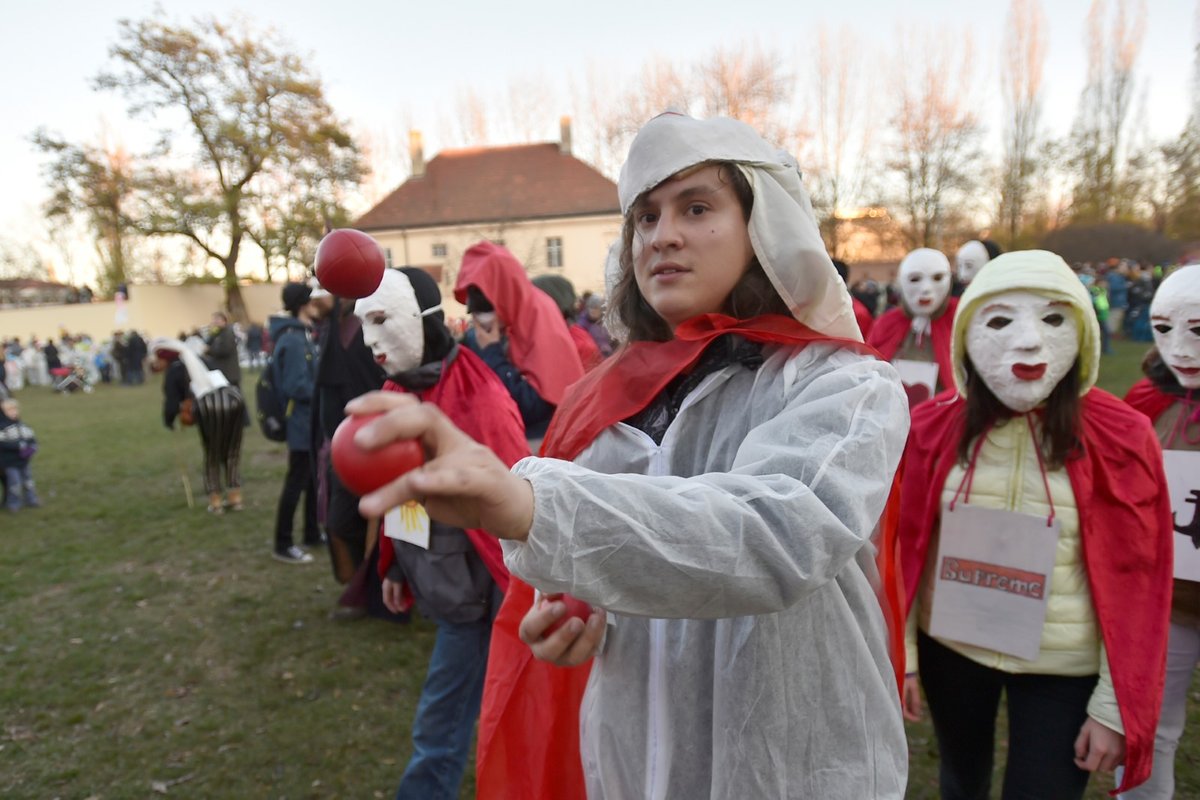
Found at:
(293, 555)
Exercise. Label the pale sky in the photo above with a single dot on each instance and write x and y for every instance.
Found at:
(389, 65)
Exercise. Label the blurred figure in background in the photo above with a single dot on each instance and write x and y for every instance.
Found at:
(562, 292)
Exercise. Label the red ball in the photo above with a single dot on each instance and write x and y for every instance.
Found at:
(575, 608)
(349, 263)
(364, 471)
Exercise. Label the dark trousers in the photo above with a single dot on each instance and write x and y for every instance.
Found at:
(299, 480)
(1045, 713)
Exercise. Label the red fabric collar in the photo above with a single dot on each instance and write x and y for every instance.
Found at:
(1125, 527)
(1148, 399)
(888, 332)
(626, 383)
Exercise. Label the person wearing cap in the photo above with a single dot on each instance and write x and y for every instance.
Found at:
(294, 363)
(562, 292)
(591, 320)
(711, 492)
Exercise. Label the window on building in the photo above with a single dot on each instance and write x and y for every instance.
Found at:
(554, 251)
(387, 256)
(439, 250)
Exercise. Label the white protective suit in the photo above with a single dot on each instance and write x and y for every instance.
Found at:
(745, 652)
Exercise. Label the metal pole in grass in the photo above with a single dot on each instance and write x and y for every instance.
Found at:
(182, 467)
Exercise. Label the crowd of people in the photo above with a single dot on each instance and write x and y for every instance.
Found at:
(664, 534)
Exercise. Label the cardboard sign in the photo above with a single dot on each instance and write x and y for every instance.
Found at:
(1183, 487)
(992, 584)
(408, 523)
(919, 379)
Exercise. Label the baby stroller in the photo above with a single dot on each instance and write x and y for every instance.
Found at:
(71, 379)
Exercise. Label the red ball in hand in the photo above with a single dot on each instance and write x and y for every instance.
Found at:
(349, 263)
(364, 471)
(575, 608)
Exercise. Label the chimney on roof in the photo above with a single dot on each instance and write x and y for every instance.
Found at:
(564, 135)
(416, 152)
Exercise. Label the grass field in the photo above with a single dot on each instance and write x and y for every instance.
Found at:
(151, 650)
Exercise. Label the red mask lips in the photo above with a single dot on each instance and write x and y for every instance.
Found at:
(379, 359)
(1029, 372)
(1189, 371)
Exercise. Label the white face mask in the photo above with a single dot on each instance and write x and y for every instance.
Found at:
(1175, 318)
(1022, 344)
(485, 319)
(391, 324)
(969, 260)
(924, 281)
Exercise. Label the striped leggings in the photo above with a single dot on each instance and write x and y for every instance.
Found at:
(220, 420)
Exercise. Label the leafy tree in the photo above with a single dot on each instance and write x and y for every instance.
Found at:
(98, 183)
(245, 128)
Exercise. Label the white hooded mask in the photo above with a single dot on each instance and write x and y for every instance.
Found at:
(391, 324)
(1175, 319)
(924, 285)
(1024, 321)
(969, 259)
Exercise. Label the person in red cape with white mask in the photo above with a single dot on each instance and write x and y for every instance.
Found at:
(1035, 534)
(1170, 396)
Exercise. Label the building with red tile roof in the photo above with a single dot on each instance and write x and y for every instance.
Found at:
(555, 212)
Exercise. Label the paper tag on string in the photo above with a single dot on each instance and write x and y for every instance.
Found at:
(408, 523)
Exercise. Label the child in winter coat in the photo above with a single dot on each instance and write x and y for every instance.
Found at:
(17, 446)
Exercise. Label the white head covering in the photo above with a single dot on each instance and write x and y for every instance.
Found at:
(1041, 272)
(202, 379)
(783, 228)
(1178, 300)
(969, 259)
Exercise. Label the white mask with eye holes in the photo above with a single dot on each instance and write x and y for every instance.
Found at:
(924, 285)
(1022, 344)
(1175, 319)
(391, 324)
(969, 259)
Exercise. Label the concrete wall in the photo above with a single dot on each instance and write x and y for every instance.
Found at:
(152, 310)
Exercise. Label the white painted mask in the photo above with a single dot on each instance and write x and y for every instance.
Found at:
(1175, 318)
(924, 281)
(969, 259)
(392, 325)
(1022, 344)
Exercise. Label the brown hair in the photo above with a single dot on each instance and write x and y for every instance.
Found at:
(752, 295)
(1060, 421)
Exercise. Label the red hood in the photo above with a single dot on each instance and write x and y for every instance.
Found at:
(538, 341)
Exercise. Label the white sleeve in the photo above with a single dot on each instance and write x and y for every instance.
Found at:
(802, 497)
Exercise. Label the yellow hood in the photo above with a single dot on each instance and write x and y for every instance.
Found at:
(1043, 273)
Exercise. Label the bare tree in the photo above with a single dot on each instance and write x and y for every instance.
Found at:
(934, 153)
(1183, 158)
(1022, 61)
(840, 111)
(1099, 134)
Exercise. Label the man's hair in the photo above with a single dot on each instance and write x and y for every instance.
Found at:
(751, 296)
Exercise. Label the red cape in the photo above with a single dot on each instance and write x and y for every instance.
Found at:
(1125, 530)
(1146, 398)
(585, 346)
(863, 317)
(475, 400)
(538, 342)
(529, 726)
(888, 332)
